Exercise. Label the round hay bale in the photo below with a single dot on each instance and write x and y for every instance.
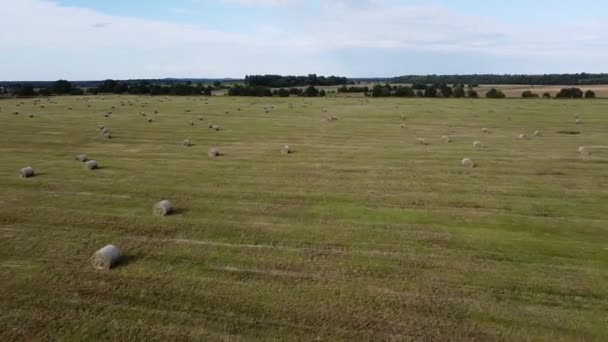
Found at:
(82, 158)
(403, 126)
(27, 172)
(468, 162)
(191, 123)
(285, 149)
(187, 110)
(214, 152)
(537, 133)
(102, 129)
(91, 164)
(422, 141)
(31, 116)
(149, 120)
(187, 143)
(446, 139)
(216, 127)
(163, 208)
(107, 135)
(477, 144)
(16, 112)
(106, 258)
(579, 121)
(523, 136)
(155, 112)
(583, 150)
(200, 118)
(485, 130)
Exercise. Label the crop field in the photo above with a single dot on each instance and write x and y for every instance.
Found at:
(364, 232)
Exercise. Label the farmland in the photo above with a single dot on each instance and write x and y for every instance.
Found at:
(361, 233)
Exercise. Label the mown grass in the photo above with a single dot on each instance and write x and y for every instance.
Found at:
(360, 234)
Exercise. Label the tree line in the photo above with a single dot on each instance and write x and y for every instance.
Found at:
(279, 81)
(247, 90)
(546, 79)
(422, 90)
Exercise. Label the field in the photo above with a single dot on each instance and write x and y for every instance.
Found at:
(360, 234)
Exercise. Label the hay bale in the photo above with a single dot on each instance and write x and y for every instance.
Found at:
(285, 149)
(107, 135)
(403, 126)
(27, 172)
(579, 121)
(149, 120)
(106, 258)
(191, 123)
(214, 152)
(523, 136)
(468, 162)
(82, 158)
(155, 112)
(446, 139)
(583, 150)
(163, 208)
(485, 130)
(477, 144)
(200, 118)
(422, 141)
(187, 110)
(187, 143)
(31, 116)
(91, 164)
(103, 130)
(216, 127)
(537, 133)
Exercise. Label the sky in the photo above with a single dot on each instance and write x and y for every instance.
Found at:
(129, 39)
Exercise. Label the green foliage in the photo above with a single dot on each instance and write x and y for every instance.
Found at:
(570, 93)
(240, 90)
(62, 87)
(547, 95)
(459, 92)
(311, 91)
(278, 81)
(529, 94)
(589, 94)
(495, 94)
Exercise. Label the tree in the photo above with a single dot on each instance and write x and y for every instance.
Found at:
(217, 84)
(404, 92)
(25, 90)
(62, 87)
(283, 92)
(76, 91)
(44, 92)
(322, 93)
(430, 91)
(495, 94)
(547, 95)
(446, 90)
(529, 94)
(589, 94)
(570, 93)
(311, 91)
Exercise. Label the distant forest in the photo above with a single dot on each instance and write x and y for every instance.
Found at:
(549, 79)
(278, 81)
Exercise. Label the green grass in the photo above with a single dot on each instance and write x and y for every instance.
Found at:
(360, 234)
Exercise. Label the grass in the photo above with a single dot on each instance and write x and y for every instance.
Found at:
(361, 233)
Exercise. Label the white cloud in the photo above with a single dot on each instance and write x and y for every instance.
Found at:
(54, 41)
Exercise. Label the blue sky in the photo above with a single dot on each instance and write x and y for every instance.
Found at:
(80, 39)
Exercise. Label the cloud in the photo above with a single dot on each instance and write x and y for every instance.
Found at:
(326, 38)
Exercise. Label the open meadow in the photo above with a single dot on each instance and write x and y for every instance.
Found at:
(364, 232)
